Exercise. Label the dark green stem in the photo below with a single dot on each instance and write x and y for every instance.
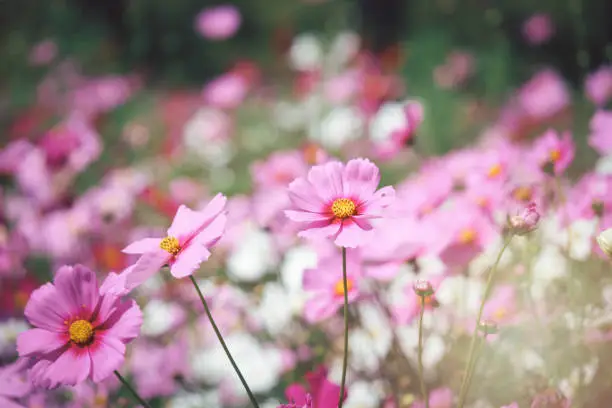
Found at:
(220, 337)
(346, 327)
(132, 390)
(420, 354)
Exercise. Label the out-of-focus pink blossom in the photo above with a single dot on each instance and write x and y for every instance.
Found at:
(458, 67)
(394, 127)
(279, 169)
(538, 29)
(100, 95)
(554, 151)
(598, 85)
(326, 285)
(43, 53)
(544, 95)
(218, 23)
(600, 138)
(501, 307)
(227, 91)
(438, 398)
(14, 383)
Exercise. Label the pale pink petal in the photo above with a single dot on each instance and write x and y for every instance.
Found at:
(360, 179)
(189, 260)
(303, 196)
(7, 403)
(301, 216)
(317, 230)
(107, 355)
(188, 222)
(79, 287)
(327, 180)
(210, 235)
(70, 368)
(319, 307)
(143, 245)
(47, 309)
(146, 266)
(115, 284)
(40, 341)
(385, 271)
(352, 236)
(380, 200)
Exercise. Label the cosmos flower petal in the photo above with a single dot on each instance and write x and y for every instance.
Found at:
(146, 266)
(360, 179)
(189, 260)
(79, 287)
(302, 216)
(303, 195)
(69, 368)
(106, 356)
(39, 341)
(46, 309)
(141, 246)
(327, 180)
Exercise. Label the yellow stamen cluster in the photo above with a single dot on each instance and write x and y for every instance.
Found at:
(81, 332)
(170, 245)
(555, 155)
(343, 208)
(339, 287)
(467, 236)
(523, 193)
(494, 171)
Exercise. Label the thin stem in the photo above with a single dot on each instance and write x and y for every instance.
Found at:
(132, 390)
(345, 359)
(420, 353)
(474, 363)
(220, 337)
(467, 374)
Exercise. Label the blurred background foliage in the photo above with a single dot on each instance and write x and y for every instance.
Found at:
(156, 38)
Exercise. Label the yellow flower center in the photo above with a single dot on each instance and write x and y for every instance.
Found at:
(500, 313)
(555, 155)
(171, 245)
(522, 193)
(494, 171)
(339, 287)
(81, 332)
(467, 236)
(343, 208)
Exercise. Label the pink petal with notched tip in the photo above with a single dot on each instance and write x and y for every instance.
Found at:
(79, 287)
(107, 355)
(146, 266)
(327, 180)
(70, 368)
(47, 310)
(360, 179)
(304, 196)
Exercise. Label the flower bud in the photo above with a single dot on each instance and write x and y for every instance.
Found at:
(487, 327)
(423, 288)
(598, 207)
(604, 239)
(527, 221)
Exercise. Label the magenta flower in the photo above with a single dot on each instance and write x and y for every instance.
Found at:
(552, 150)
(186, 246)
(321, 392)
(227, 91)
(218, 23)
(544, 95)
(43, 53)
(327, 288)
(338, 201)
(598, 86)
(13, 383)
(77, 332)
(538, 29)
(601, 127)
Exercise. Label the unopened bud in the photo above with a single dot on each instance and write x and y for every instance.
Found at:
(524, 223)
(604, 239)
(598, 207)
(423, 288)
(487, 327)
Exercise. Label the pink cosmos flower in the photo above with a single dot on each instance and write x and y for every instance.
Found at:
(321, 393)
(464, 230)
(279, 169)
(419, 195)
(600, 138)
(43, 53)
(502, 306)
(326, 285)
(590, 197)
(513, 405)
(550, 149)
(538, 29)
(526, 221)
(544, 95)
(218, 23)
(227, 91)
(438, 398)
(598, 85)
(13, 383)
(186, 246)
(338, 201)
(78, 333)
(395, 129)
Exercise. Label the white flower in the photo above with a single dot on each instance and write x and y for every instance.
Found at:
(273, 310)
(206, 134)
(295, 261)
(184, 399)
(253, 256)
(159, 317)
(604, 239)
(460, 294)
(306, 52)
(9, 329)
(338, 127)
(389, 118)
(434, 347)
(370, 343)
(364, 395)
(261, 366)
(550, 264)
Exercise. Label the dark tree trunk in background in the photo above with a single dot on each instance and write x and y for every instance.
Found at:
(382, 23)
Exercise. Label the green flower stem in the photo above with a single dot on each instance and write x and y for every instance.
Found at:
(346, 329)
(420, 354)
(468, 366)
(220, 337)
(132, 390)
